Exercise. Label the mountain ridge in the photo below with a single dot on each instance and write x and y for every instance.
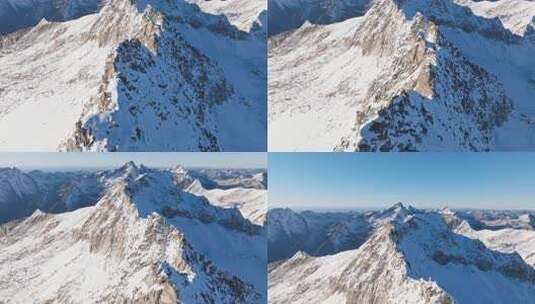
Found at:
(411, 256)
(141, 237)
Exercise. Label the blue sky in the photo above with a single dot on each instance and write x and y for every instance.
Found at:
(376, 180)
(99, 160)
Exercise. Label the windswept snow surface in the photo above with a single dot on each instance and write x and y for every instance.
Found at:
(143, 240)
(406, 76)
(144, 76)
(411, 256)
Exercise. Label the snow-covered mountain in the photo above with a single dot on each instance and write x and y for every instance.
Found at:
(245, 14)
(145, 240)
(411, 256)
(516, 15)
(314, 233)
(504, 240)
(21, 193)
(406, 75)
(145, 75)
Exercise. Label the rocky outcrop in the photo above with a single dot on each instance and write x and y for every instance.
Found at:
(433, 91)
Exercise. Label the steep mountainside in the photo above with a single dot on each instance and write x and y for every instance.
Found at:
(403, 76)
(145, 75)
(144, 241)
(412, 256)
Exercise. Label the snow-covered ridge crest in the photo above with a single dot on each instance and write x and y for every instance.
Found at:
(449, 13)
(516, 15)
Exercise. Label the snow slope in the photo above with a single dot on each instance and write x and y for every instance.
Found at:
(145, 76)
(144, 240)
(227, 188)
(516, 15)
(244, 14)
(252, 203)
(403, 76)
(505, 240)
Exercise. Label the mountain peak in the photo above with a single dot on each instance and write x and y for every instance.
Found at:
(130, 170)
(447, 211)
(397, 211)
(398, 206)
